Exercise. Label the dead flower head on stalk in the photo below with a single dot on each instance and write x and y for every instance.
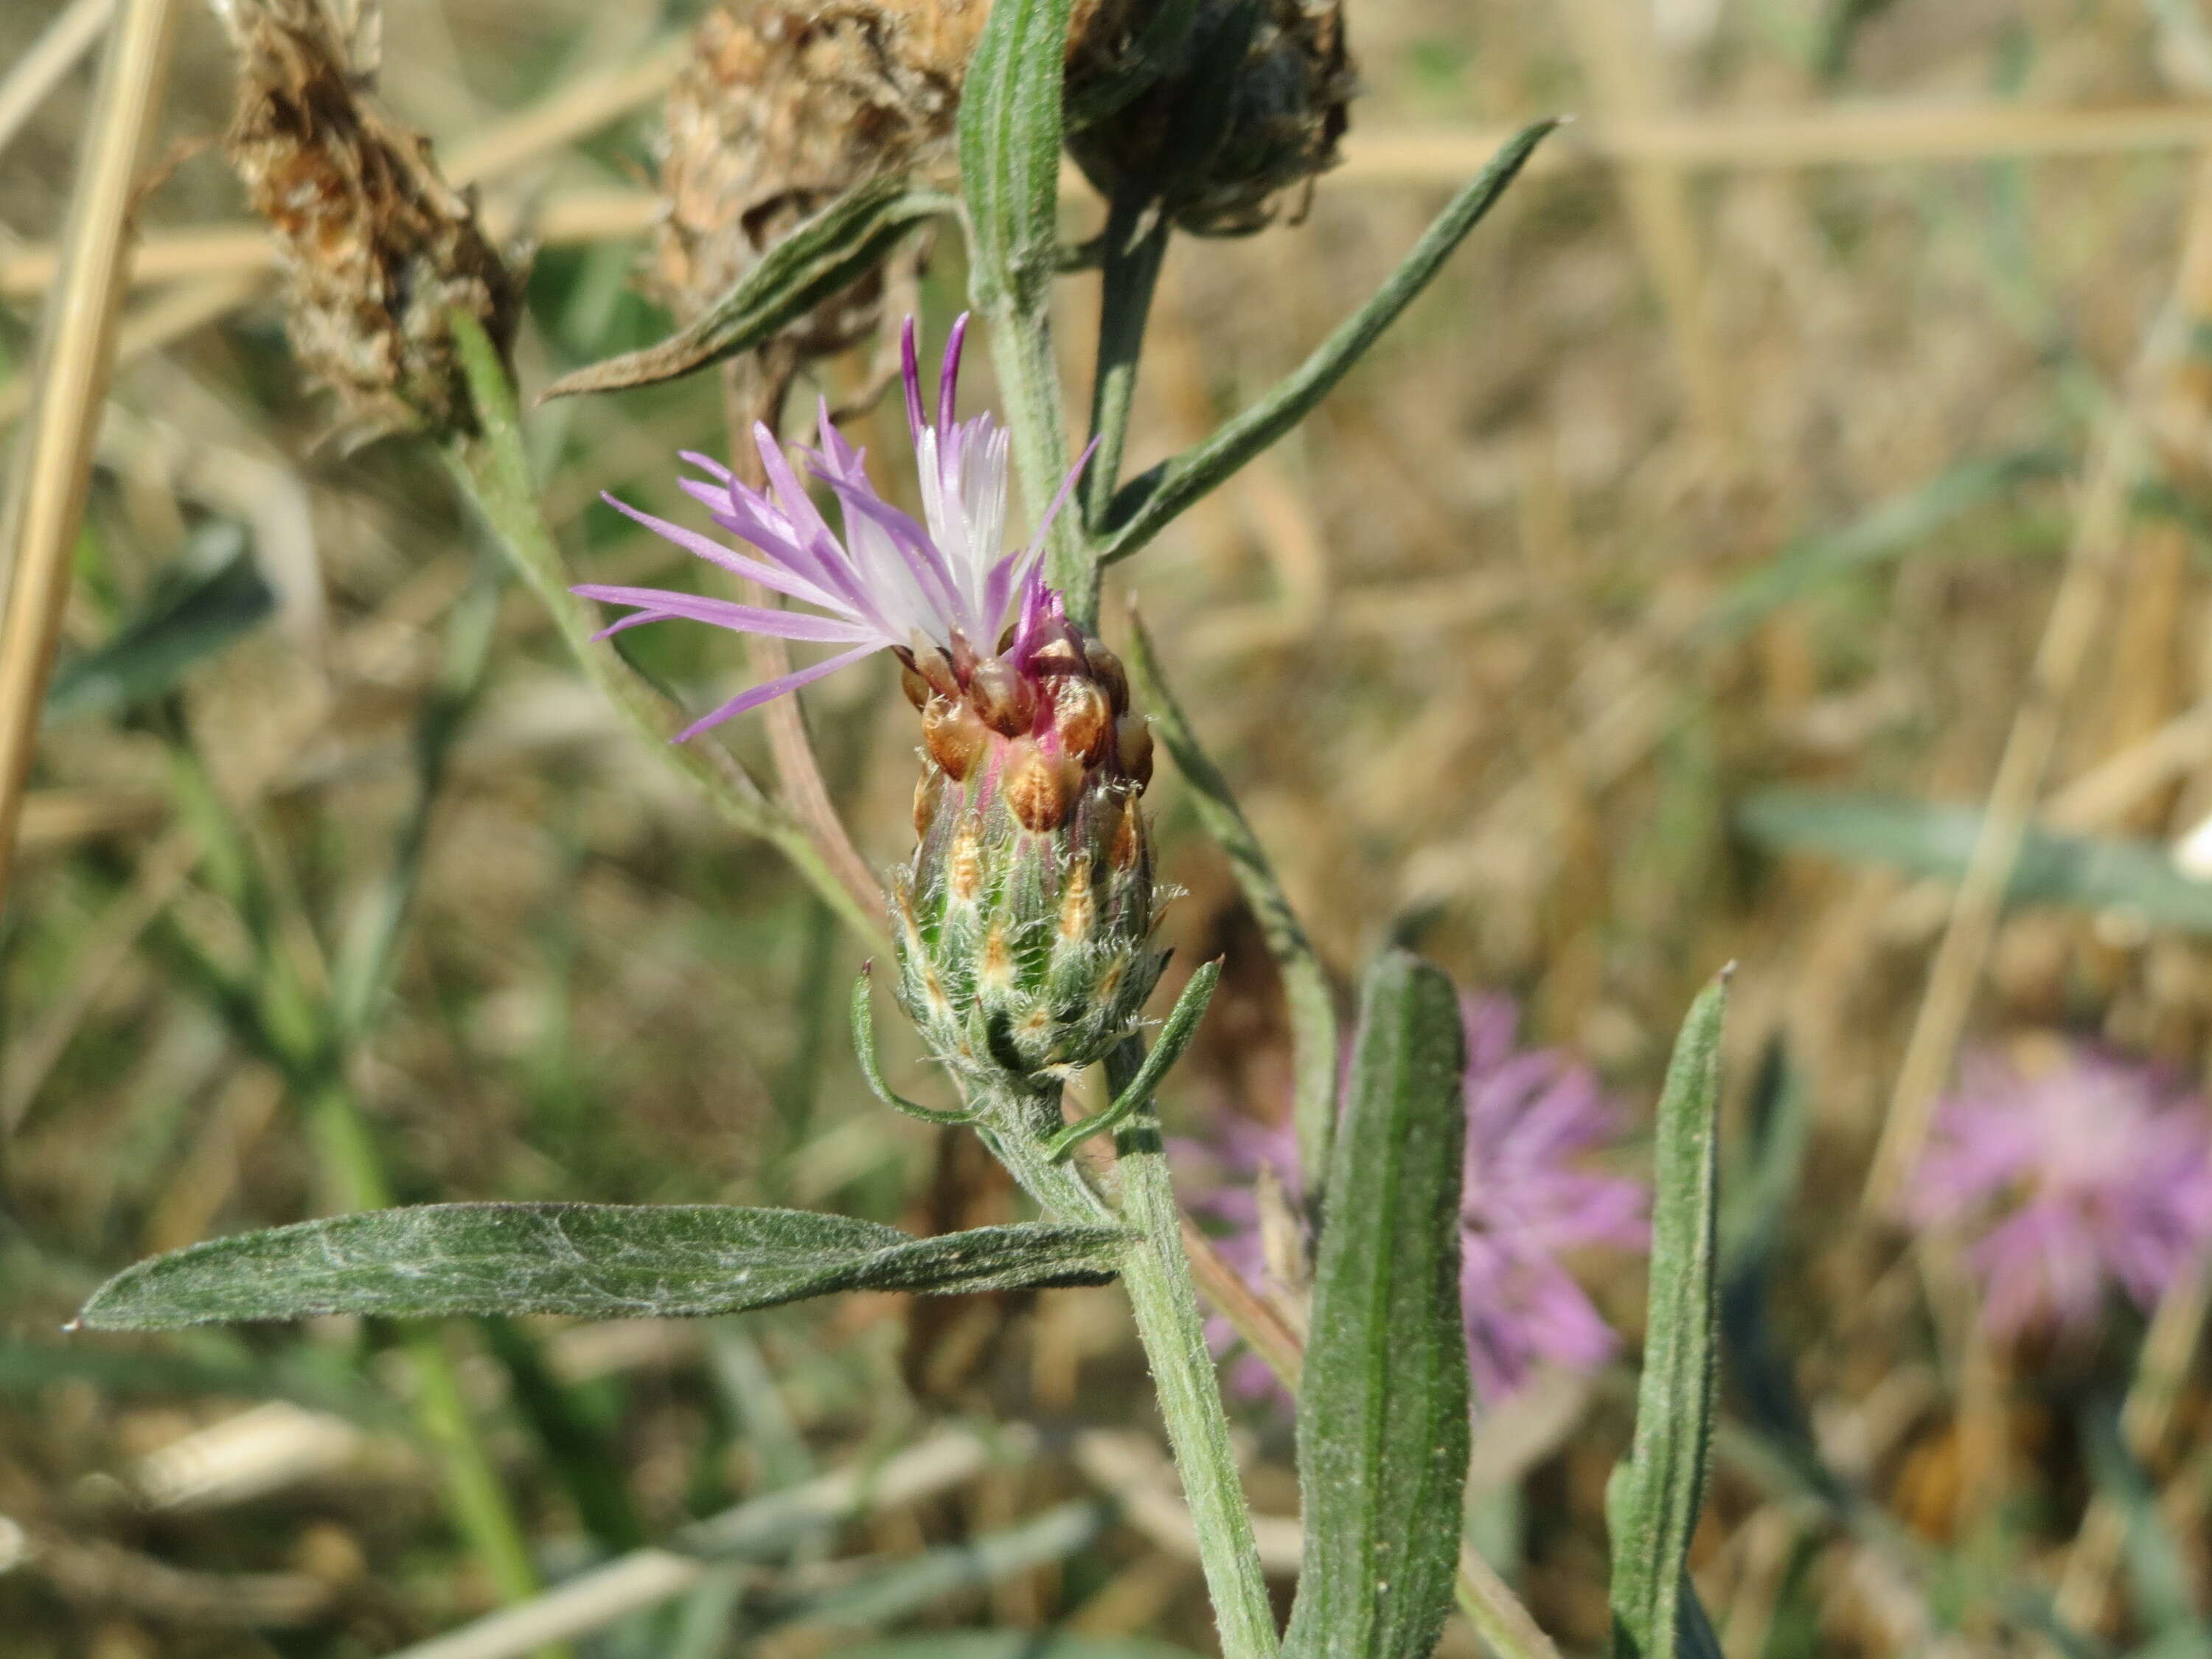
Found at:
(377, 250)
(1023, 921)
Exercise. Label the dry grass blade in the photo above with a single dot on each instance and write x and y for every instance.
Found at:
(45, 498)
(1870, 135)
(39, 71)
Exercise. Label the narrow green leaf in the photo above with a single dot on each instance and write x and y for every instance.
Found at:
(1382, 1404)
(596, 1260)
(1306, 990)
(1652, 1501)
(1925, 838)
(1151, 503)
(188, 618)
(1891, 531)
(1009, 133)
(1137, 1094)
(821, 258)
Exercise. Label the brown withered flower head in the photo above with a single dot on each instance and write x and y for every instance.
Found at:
(376, 248)
(783, 108)
(1244, 118)
(787, 105)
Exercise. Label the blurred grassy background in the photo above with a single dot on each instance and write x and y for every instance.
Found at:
(1750, 444)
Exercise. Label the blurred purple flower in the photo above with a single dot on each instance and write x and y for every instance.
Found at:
(2081, 1172)
(1529, 1200)
(892, 581)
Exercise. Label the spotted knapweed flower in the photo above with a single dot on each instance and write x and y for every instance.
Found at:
(943, 584)
(1529, 1200)
(2070, 1172)
(1023, 923)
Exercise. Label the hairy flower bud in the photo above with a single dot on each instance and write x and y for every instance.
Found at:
(1024, 921)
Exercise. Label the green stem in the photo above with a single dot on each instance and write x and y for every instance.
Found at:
(354, 1177)
(1134, 252)
(1029, 383)
(1161, 1295)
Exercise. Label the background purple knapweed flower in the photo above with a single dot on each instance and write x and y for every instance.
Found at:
(1529, 1201)
(890, 581)
(2068, 1171)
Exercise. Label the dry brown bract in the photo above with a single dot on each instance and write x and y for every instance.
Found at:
(377, 248)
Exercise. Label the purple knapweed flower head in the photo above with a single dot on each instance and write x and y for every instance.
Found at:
(942, 584)
(1023, 923)
(1529, 1201)
(2070, 1171)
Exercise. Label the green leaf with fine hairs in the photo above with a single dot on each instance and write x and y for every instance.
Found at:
(1382, 1403)
(1009, 133)
(594, 1260)
(1926, 838)
(1148, 504)
(1653, 1498)
(820, 260)
(191, 614)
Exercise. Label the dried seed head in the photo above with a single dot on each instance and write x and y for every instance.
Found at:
(953, 735)
(1252, 111)
(782, 108)
(377, 250)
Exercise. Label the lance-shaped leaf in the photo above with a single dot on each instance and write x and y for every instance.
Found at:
(1148, 504)
(189, 619)
(1383, 1405)
(1930, 838)
(1010, 131)
(594, 1261)
(820, 260)
(1652, 1501)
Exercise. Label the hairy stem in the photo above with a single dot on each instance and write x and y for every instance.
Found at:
(1133, 251)
(1161, 1295)
(1028, 381)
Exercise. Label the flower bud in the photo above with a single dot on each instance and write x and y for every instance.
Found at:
(1025, 921)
